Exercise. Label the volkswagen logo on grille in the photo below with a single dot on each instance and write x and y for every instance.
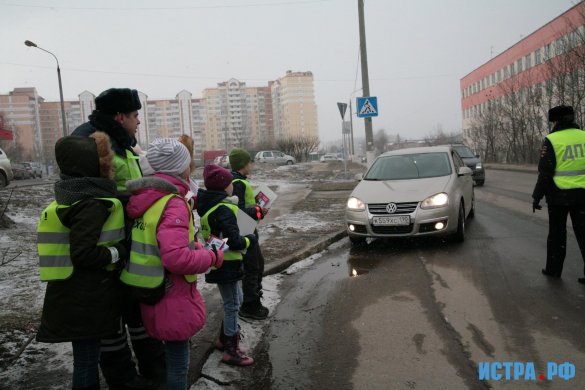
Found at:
(391, 208)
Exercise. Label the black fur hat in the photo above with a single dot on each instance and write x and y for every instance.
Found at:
(561, 114)
(115, 100)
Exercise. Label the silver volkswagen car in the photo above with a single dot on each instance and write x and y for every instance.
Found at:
(412, 192)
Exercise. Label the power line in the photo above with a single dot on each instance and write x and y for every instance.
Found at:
(175, 76)
(180, 8)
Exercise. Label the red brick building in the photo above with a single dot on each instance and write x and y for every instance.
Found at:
(526, 71)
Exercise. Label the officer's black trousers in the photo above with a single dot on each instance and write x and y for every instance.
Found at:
(556, 244)
(115, 355)
(253, 270)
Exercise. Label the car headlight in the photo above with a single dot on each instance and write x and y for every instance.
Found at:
(478, 166)
(437, 200)
(355, 204)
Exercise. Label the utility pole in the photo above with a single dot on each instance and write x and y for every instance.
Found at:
(351, 127)
(365, 82)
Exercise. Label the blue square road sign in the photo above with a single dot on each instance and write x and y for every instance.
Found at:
(367, 106)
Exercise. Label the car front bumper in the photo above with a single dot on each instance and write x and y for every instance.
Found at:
(422, 223)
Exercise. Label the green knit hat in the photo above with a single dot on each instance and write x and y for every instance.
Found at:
(239, 158)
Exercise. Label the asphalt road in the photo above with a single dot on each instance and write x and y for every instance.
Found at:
(423, 314)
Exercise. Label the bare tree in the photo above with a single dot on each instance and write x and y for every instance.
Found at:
(299, 147)
(381, 140)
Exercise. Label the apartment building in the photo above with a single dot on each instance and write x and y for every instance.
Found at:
(230, 115)
(293, 106)
(20, 110)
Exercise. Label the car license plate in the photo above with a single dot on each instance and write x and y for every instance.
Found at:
(399, 220)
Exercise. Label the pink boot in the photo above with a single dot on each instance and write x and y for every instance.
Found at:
(232, 354)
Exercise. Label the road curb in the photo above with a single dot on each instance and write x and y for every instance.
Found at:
(512, 168)
(304, 253)
(198, 358)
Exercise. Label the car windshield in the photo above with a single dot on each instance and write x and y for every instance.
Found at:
(463, 151)
(410, 166)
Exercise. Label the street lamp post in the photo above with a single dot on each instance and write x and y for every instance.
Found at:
(32, 44)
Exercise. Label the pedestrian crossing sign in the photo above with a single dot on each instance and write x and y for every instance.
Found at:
(367, 106)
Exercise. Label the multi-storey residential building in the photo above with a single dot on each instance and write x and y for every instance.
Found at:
(293, 106)
(541, 70)
(230, 115)
(52, 128)
(237, 115)
(20, 110)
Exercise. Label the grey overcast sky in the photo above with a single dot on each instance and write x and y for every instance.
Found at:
(417, 49)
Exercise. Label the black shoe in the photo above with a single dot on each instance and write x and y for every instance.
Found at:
(136, 383)
(551, 274)
(581, 280)
(256, 312)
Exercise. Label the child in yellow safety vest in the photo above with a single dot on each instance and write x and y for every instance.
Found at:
(81, 247)
(165, 256)
(218, 211)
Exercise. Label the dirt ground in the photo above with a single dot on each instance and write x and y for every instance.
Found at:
(311, 202)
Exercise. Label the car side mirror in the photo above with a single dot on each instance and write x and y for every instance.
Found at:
(359, 176)
(477, 155)
(464, 171)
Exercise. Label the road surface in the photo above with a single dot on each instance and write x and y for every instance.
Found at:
(424, 314)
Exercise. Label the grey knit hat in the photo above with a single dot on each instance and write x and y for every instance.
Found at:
(167, 155)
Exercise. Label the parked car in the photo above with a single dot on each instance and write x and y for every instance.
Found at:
(473, 161)
(6, 175)
(36, 167)
(412, 192)
(330, 157)
(22, 171)
(275, 157)
(222, 161)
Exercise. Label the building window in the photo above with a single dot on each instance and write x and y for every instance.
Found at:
(547, 52)
(537, 57)
(528, 61)
(519, 66)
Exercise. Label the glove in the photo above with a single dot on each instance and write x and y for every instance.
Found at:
(252, 238)
(218, 256)
(123, 252)
(536, 205)
(264, 211)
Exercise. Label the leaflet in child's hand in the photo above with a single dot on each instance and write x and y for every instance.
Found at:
(219, 243)
(264, 196)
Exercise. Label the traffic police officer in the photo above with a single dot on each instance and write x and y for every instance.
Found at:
(561, 179)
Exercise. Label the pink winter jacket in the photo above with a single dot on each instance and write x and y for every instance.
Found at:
(180, 314)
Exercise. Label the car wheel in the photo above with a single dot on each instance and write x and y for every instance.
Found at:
(3, 180)
(289, 162)
(459, 235)
(357, 241)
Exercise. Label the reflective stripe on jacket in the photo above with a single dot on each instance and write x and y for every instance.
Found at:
(145, 268)
(206, 231)
(569, 148)
(249, 199)
(53, 240)
(126, 169)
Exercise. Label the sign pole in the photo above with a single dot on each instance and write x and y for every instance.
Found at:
(365, 82)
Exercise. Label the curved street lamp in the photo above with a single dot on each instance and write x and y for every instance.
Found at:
(63, 120)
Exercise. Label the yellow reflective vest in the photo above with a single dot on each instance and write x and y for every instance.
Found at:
(230, 255)
(145, 267)
(569, 148)
(53, 240)
(126, 169)
(249, 199)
